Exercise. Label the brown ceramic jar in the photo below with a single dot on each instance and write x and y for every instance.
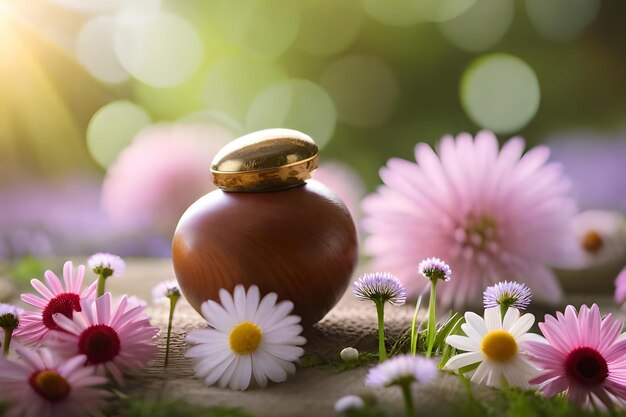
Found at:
(267, 226)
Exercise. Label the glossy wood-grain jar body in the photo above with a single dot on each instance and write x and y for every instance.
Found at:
(299, 242)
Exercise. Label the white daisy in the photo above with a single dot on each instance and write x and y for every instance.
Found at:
(349, 402)
(250, 336)
(497, 345)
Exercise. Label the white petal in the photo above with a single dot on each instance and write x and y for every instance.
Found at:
(510, 318)
(493, 318)
(265, 307)
(477, 323)
(470, 331)
(463, 343)
(239, 298)
(252, 302)
(285, 352)
(523, 325)
(463, 359)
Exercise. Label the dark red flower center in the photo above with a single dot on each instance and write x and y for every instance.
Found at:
(100, 343)
(587, 366)
(66, 304)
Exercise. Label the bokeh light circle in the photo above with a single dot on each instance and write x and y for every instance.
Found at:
(264, 28)
(500, 92)
(481, 26)
(561, 20)
(328, 27)
(408, 12)
(162, 50)
(363, 88)
(295, 104)
(112, 128)
(231, 84)
(95, 50)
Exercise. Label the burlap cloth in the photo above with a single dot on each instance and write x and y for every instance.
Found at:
(313, 390)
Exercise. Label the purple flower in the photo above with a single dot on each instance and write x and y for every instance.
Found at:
(592, 160)
(381, 287)
(507, 294)
(435, 268)
(400, 369)
(489, 212)
(106, 264)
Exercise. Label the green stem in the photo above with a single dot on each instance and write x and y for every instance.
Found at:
(431, 317)
(414, 328)
(503, 310)
(8, 334)
(173, 301)
(101, 281)
(408, 399)
(380, 310)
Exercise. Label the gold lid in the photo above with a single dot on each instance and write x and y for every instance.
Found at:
(271, 159)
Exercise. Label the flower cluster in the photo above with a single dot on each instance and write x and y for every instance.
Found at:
(579, 353)
(70, 342)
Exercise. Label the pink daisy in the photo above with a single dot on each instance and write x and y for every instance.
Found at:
(57, 299)
(489, 212)
(115, 339)
(582, 354)
(41, 384)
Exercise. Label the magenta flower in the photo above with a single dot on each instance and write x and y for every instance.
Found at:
(584, 355)
(41, 384)
(57, 299)
(489, 212)
(113, 339)
(620, 287)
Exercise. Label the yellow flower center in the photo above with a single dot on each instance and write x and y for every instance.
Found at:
(245, 338)
(50, 385)
(498, 345)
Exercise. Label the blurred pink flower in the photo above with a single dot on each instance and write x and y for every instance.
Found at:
(345, 182)
(620, 287)
(164, 170)
(489, 213)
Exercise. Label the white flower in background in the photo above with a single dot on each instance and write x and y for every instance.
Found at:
(250, 337)
(600, 238)
(497, 345)
(349, 402)
(164, 291)
(106, 264)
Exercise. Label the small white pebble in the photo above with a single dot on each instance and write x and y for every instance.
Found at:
(349, 354)
(349, 402)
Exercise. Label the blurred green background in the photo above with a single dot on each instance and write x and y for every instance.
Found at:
(368, 79)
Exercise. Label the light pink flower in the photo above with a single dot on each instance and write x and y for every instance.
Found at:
(345, 182)
(489, 212)
(41, 384)
(112, 338)
(584, 355)
(620, 287)
(57, 299)
(163, 171)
